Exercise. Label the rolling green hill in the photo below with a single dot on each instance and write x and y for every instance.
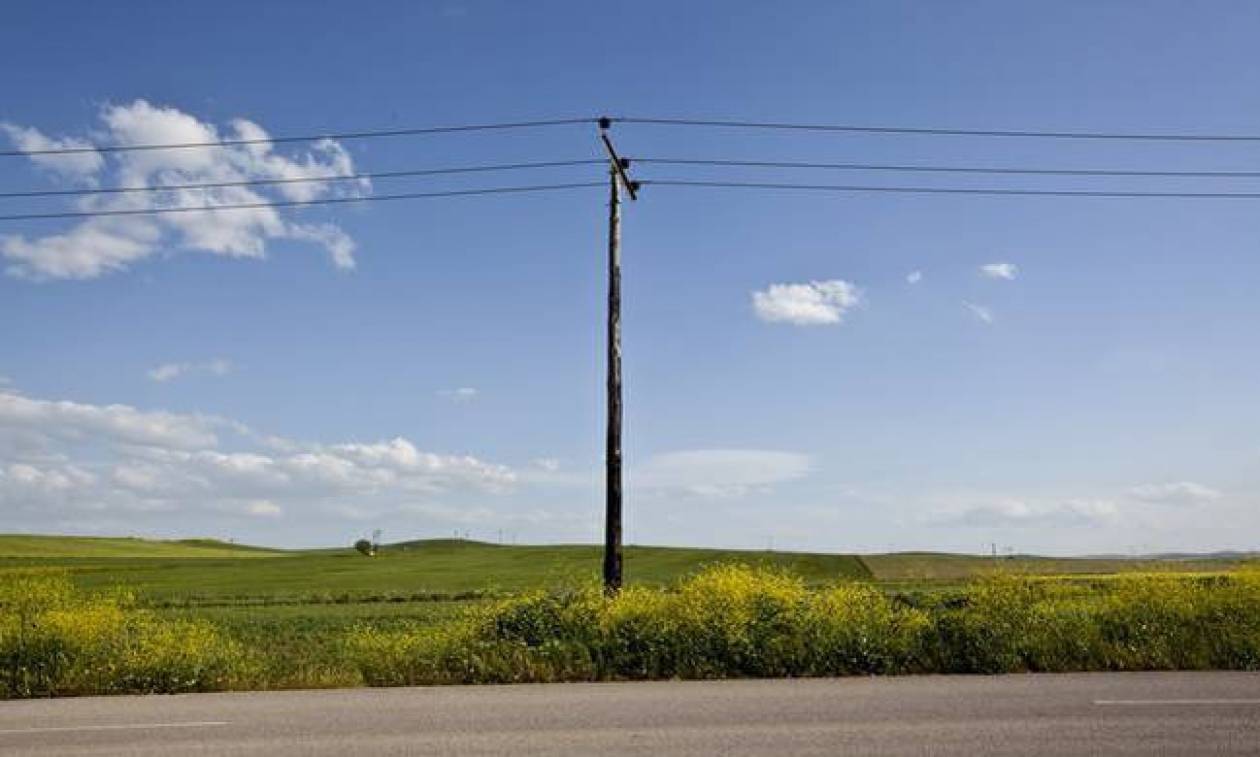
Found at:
(915, 567)
(38, 546)
(198, 572)
(436, 569)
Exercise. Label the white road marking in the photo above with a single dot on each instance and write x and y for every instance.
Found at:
(115, 727)
(1157, 702)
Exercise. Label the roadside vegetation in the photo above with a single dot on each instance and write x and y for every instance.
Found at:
(737, 621)
(57, 641)
(82, 622)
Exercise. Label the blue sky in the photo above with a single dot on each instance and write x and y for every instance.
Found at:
(304, 376)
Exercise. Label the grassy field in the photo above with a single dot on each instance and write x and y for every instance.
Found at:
(211, 573)
(296, 608)
(930, 567)
(20, 546)
(423, 571)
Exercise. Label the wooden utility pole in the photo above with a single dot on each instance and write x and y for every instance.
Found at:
(617, 179)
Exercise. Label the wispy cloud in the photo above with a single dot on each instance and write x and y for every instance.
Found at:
(979, 311)
(808, 304)
(1175, 493)
(914, 277)
(118, 459)
(170, 371)
(1007, 271)
(1019, 512)
(82, 166)
(460, 394)
(720, 472)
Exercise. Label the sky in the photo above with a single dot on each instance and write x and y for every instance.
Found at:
(809, 371)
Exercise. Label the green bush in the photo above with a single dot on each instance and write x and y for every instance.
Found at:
(1005, 624)
(55, 641)
(733, 621)
(725, 621)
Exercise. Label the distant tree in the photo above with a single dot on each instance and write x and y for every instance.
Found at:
(365, 547)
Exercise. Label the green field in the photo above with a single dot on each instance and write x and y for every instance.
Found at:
(203, 573)
(18, 546)
(210, 573)
(296, 608)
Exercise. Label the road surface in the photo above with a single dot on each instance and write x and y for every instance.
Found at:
(1111, 714)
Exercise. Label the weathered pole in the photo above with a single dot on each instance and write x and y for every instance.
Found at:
(618, 179)
(612, 450)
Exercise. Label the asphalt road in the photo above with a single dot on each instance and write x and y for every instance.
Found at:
(1111, 714)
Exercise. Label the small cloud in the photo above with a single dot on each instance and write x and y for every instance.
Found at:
(914, 277)
(167, 371)
(979, 311)
(1175, 493)
(338, 243)
(170, 371)
(460, 394)
(810, 304)
(549, 464)
(1007, 271)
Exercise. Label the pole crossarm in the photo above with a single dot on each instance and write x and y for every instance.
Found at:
(620, 165)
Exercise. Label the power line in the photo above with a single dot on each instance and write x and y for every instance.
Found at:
(774, 125)
(373, 175)
(952, 190)
(932, 131)
(303, 180)
(304, 137)
(944, 169)
(301, 203)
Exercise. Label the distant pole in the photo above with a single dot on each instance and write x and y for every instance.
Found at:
(617, 179)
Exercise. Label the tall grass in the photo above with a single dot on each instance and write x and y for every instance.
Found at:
(55, 641)
(723, 621)
(737, 621)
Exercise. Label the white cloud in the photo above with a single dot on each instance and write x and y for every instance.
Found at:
(914, 277)
(97, 246)
(979, 311)
(77, 165)
(116, 458)
(1007, 271)
(720, 472)
(1175, 493)
(88, 250)
(120, 423)
(169, 371)
(338, 243)
(549, 464)
(263, 508)
(460, 394)
(808, 304)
